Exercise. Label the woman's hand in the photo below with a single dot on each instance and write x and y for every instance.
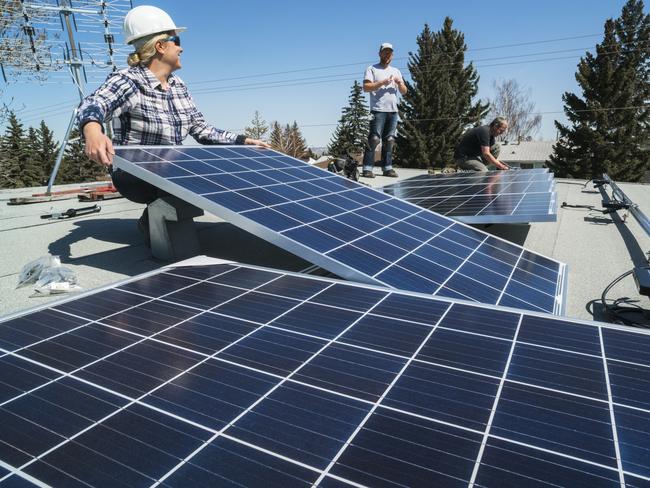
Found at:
(257, 142)
(99, 147)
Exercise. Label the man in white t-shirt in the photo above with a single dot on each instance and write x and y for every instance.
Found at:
(383, 82)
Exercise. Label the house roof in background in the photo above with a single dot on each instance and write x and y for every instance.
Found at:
(526, 151)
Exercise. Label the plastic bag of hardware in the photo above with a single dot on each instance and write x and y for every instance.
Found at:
(31, 272)
(58, 279)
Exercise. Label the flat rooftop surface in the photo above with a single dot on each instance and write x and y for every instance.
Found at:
(106, 247)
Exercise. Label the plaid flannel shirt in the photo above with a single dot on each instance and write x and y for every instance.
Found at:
(143, 113)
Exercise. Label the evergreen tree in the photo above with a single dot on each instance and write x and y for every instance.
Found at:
(288, 140)
(46, 150)
(439, 104)
(296, 144)
(17, 170)
(608, 129)
(258, 128)
(30, 143)
(277, 138)
(75, 166)
(352, 130)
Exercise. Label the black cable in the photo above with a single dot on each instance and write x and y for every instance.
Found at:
(615, 312)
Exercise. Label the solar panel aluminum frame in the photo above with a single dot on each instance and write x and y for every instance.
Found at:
(640, 217)
(334, 266)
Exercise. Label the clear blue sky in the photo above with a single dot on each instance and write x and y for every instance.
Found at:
(249, 40)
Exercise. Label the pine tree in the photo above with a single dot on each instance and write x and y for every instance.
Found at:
(288, 140)
(258, 128)
(75, 166)
(439, 105)
(277, 138)
(17, 170)
(352, 130)
(46, 149)
(296, 144)
(32, 154)
(609, 123)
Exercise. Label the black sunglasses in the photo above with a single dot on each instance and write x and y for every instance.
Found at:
(175, 39)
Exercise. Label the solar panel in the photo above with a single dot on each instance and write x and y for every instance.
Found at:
(520, 196)
(351, 230)
(231, 375)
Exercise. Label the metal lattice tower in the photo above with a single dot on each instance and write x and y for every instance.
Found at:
(61, 40)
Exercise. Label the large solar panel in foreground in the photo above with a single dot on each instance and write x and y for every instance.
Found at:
(518, 196)
(228, 375)
(355, 232)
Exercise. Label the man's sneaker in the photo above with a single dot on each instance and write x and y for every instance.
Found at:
(390, 173)
(367, 174)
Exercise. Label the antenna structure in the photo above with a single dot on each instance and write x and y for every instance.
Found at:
(55, 41)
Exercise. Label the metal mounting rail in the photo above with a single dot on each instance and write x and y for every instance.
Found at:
(641, 218)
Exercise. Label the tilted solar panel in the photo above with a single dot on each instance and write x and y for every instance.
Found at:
(349, 229)
(485, 198)
(231, 375)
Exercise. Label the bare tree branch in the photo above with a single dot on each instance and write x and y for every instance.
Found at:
(515, 104)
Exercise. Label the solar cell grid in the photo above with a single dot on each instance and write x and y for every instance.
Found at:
(389, 389)
(493, 197)
(349, 229)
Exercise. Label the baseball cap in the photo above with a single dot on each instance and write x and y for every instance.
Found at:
(386, 45)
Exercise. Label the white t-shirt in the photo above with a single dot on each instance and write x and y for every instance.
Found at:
(383, 99)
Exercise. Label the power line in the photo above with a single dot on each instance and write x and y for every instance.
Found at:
(259, 75)
(67, 103)
(345, 77)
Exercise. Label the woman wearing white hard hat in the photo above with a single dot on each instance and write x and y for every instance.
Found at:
(147, 103)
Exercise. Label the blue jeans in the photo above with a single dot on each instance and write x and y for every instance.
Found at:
(382, 126)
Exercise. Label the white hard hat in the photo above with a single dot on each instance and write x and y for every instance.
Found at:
(146, 20)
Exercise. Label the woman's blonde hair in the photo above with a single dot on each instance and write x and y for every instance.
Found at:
(145, 49)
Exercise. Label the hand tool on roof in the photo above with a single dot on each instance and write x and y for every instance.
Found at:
(72, 212)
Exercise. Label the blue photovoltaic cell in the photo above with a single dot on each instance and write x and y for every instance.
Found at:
(37, 327)
(279, 423)
(357, 232)
(574, 426)
(505, 464)
(393, 445)
(18, 377)
(482, 198)
(547, 367)
(292, 380)
(634, 437)
(213, 394)
(220, 464)
(625, 380)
